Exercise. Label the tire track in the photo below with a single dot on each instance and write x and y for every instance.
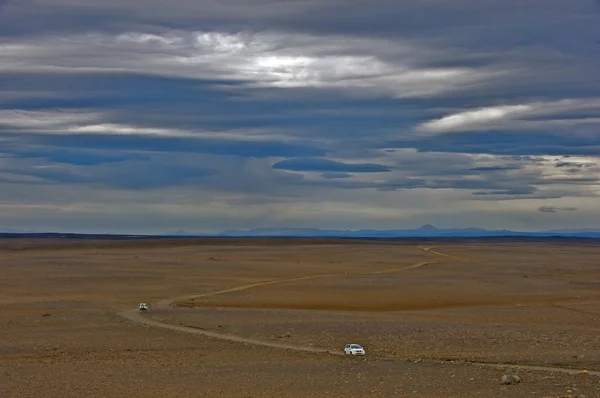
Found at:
(520, 366)
(389, 271)
(167, 302)
(136, 316)
(430, 250)
(538, 368)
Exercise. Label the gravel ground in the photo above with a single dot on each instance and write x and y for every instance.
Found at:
(60, 335)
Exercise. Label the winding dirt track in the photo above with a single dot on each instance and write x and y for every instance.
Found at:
(137, 316)
(430, 250)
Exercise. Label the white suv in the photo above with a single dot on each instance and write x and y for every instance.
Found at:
(354, 349)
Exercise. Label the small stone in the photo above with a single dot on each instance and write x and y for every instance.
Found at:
(511, 379)
(46, 314)
(584, 372)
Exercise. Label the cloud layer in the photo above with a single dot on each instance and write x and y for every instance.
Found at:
(207, 115)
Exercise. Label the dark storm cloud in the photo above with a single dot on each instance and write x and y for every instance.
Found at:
(507, 143)
(392, 184)
(554, 209)
(131, 173)
(507, 192)
(384, 17)
(326, 165)
(574, 165)
(495, 168)
(77, 157)
(280, 103)
(126, 143)
(335, 175)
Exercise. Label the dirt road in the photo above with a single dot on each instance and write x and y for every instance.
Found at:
(168, 302)
(137, 316)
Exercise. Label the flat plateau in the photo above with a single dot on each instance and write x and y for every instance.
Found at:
(270, 317)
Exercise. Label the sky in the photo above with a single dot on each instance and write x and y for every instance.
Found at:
(120, 116)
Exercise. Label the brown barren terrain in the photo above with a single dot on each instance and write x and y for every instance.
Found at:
(262, 318)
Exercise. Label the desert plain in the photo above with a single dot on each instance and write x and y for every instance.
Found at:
(270, 317)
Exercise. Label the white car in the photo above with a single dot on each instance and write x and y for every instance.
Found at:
(354, 349)
(143, 307)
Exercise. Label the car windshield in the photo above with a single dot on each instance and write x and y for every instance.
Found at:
(355, 346)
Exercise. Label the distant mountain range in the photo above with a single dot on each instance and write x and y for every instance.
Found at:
(425, 231)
